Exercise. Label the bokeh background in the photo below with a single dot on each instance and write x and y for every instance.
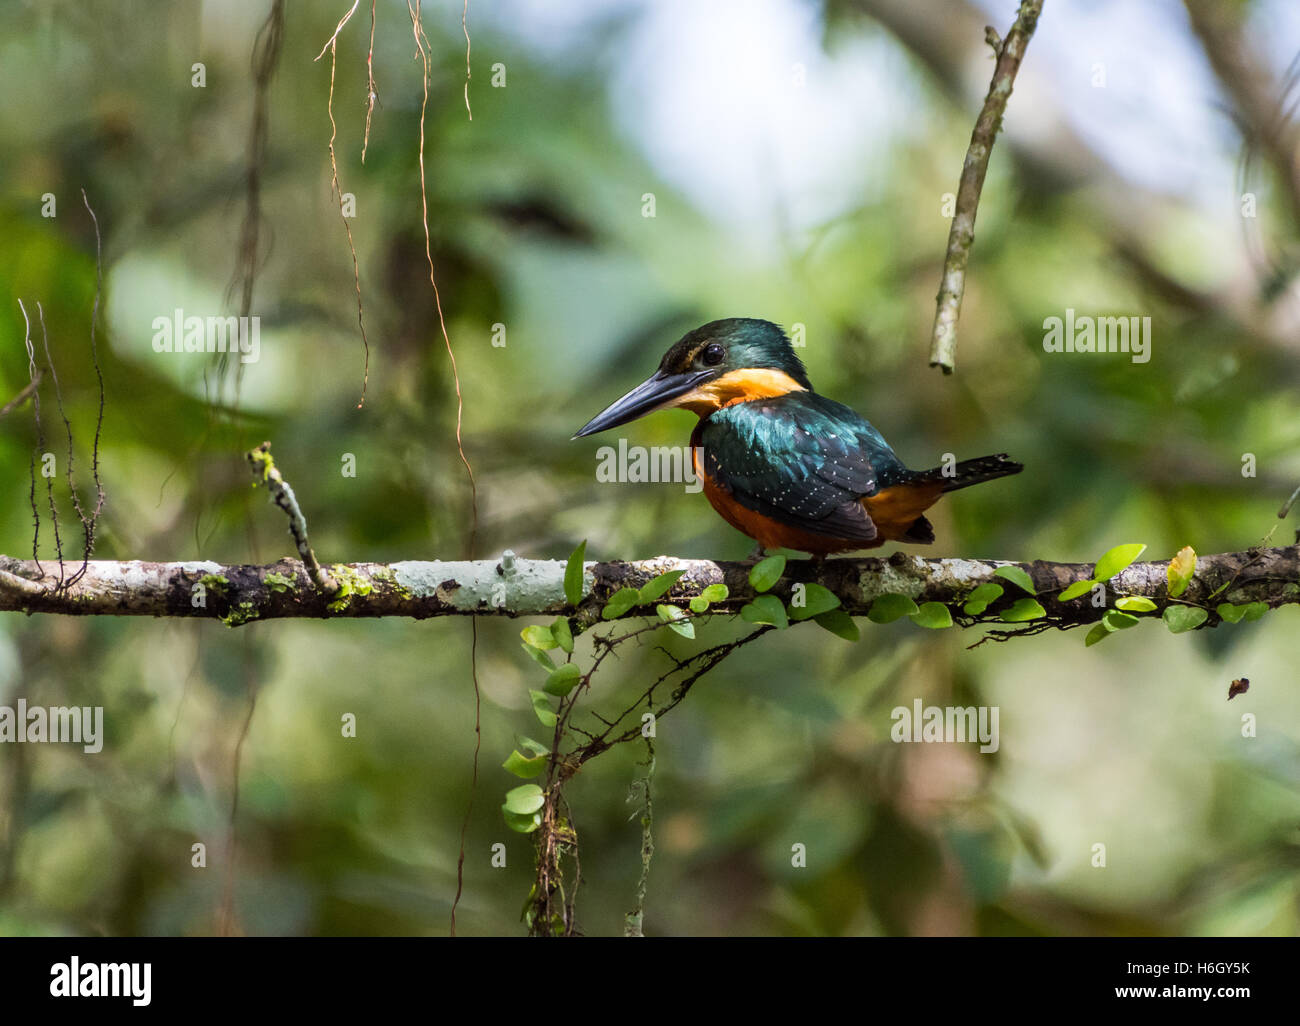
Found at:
(798, 153)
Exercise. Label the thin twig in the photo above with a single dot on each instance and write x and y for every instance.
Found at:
(89, 524)
(634, 920)
(464, 27)
(422, 44)
(40, 444)
(372, 91)
(227, 923)
(265, 59)
(332, 47)
(28, 390)
(473, 786)
(33, 377)
(265, 471)
(1010, 52)
(67, 428)
(337, 29)
(1286, 506)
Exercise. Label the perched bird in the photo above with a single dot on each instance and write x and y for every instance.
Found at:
(780, 462)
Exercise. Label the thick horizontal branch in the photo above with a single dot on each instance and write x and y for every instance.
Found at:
(510, 586)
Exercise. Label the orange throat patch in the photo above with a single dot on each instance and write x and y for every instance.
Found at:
(738, 386)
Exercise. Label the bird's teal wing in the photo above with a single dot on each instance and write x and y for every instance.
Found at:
(800, 459)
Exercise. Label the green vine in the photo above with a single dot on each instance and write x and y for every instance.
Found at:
(539, 808)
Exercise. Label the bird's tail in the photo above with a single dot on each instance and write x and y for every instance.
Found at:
(972, 472)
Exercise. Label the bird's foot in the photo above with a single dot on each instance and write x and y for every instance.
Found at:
(755, 556)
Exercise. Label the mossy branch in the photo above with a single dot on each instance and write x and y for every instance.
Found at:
(511, 586)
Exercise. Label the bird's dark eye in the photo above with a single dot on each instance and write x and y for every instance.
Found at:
(714, 354)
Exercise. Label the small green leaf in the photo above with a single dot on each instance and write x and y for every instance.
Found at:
(816, 600)
(1235, 614)
(562, 634)
(540, 657)
(934, 615)
(1231, 613)
(542, 707)
(980, 599)
(1135, 604)
(1075, 590)
(536, 747)
(765, 609)
(677, 620)
(1116, 559)
(715, 593)
(562, 680)
(1016, 576)
(527, 912)
(683, 627)
(522, 824)
(573, 575)
(657, 587)
(1184, 618)
(891, 607)
(766, 572)
(1180, 571)
(524, 800)
(523, 766)
(1254, 610)
(539, 637)
(1117, 621)
(838, 623)
(620, 602)
(1098, 632)
(1024, 609)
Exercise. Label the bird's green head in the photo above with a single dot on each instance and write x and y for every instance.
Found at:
(735, 344)
(723, 362)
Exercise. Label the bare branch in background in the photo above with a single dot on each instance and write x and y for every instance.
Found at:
(266, 57)
(1286, 506)
(1010, 52)
(28, 391)
(1259, 100)
(941, 35)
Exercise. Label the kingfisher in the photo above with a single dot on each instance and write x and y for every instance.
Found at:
(781, 462)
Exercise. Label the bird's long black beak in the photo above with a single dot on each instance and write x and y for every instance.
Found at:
(655, 392)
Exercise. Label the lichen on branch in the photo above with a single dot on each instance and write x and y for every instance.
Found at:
(513, 586)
